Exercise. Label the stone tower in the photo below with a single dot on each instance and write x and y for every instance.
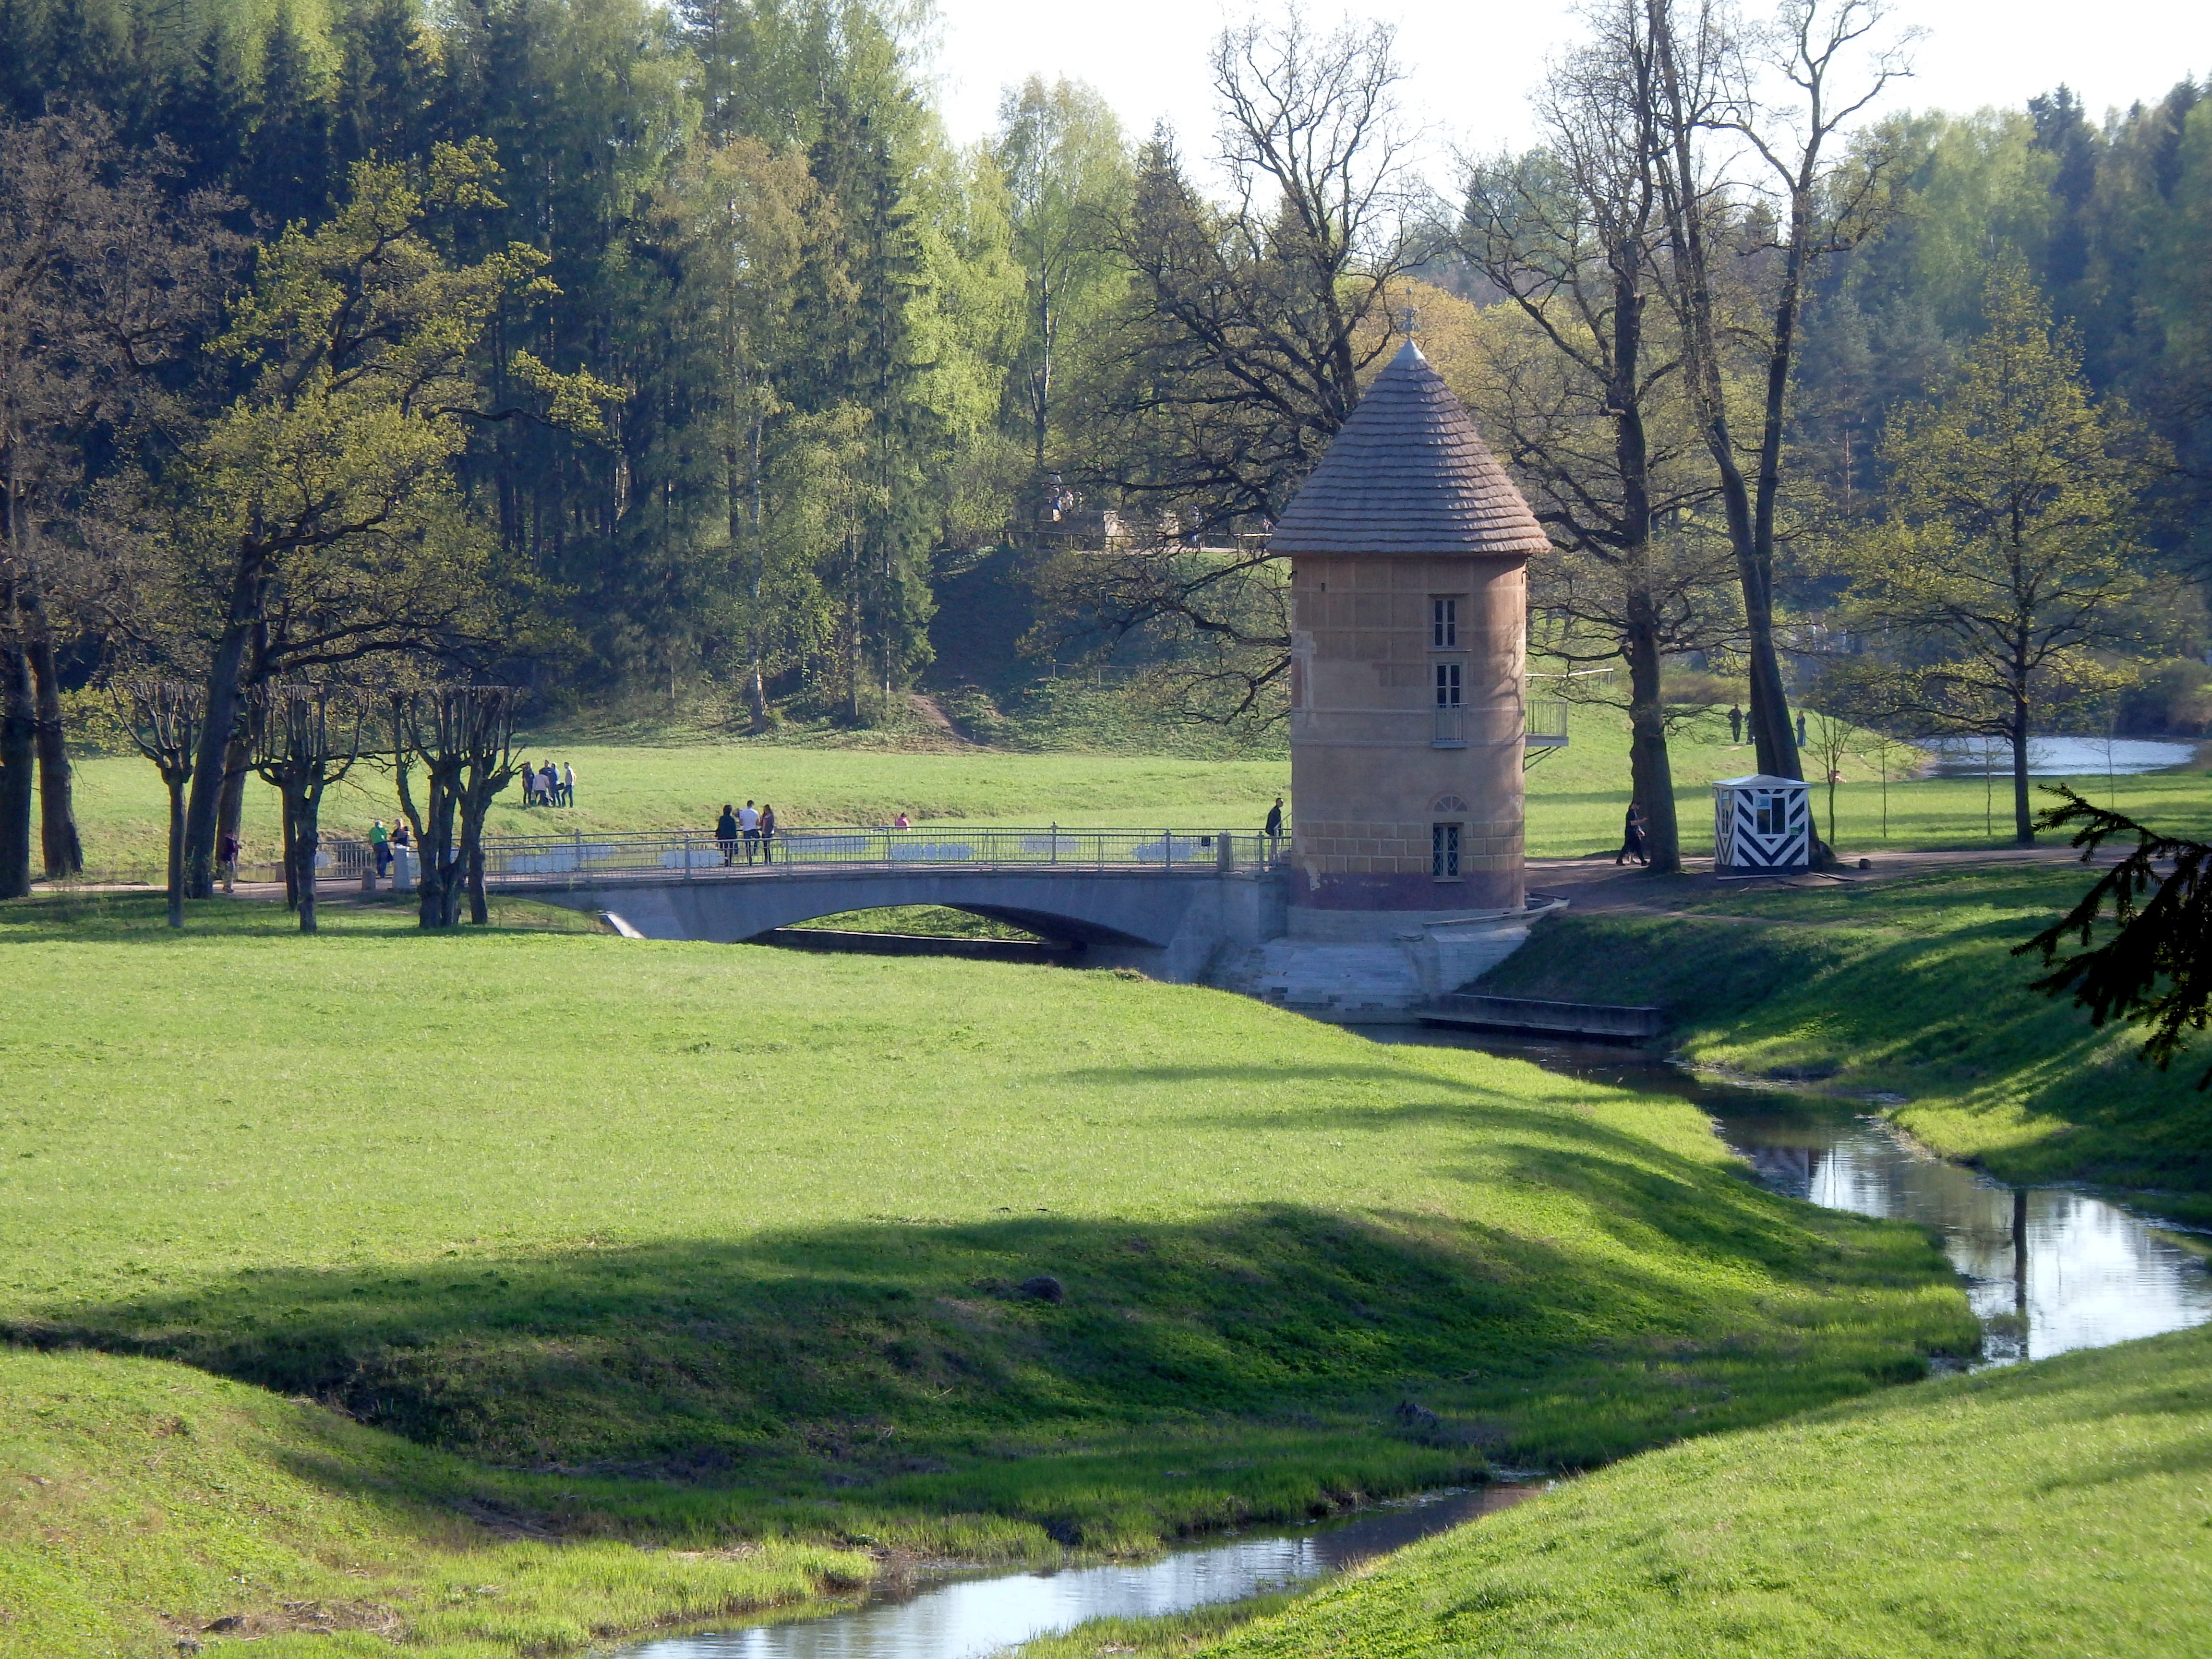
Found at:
(1407, 545)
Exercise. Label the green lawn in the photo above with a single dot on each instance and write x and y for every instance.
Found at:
(1576, 796)
(1904, 988)
(2057, 1508)
(712, 1243)
(125, 810)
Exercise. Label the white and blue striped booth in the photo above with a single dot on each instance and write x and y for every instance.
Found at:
(1761, 826)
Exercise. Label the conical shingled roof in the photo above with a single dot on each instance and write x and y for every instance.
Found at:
(1409, 474)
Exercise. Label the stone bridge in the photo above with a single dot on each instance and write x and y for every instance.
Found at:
(1208, 906)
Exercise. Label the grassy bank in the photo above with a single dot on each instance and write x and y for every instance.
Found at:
(1906, 989)
(724, 1245)
(142, 1503)
(2057, 1508)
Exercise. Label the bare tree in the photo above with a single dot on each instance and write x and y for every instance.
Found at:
(163, 718)
(305, 738)
(1824, 62)
(1243, 348)
(488, 740)
(103, 277)
(462, 736)
(1587, 393)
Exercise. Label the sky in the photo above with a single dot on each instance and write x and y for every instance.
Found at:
(1472, 62)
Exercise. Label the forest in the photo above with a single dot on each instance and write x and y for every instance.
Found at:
(611, 351)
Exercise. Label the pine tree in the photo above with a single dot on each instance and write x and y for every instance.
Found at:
(384, 83)
(208, 110)
(287, 178)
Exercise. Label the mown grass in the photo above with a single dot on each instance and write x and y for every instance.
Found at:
(2056, 1508)
(1899, 988)
(1576, 796)
(723, 1243)
(125, 819)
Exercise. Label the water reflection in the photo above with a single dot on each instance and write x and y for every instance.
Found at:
(2047, 1268)
(959, 1616)
(2057, 757)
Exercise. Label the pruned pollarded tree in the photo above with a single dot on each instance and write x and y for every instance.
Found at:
(462, 736)
(163, 719)
(305, 738)
(488, 741)
(1585, 393)
(1241, 348)
(104, 275)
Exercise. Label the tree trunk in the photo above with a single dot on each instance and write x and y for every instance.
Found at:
(176, 782)
(1650, 775)
(2023, 819)
(211, 769)
(230, 807)
(291, 855)
(306, 844)
(18, 751)
(58, 839)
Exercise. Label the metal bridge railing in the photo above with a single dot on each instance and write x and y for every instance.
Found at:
(586, 857)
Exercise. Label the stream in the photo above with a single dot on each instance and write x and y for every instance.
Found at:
(2046, 1269)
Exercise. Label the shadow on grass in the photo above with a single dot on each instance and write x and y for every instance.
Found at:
(909, 1358)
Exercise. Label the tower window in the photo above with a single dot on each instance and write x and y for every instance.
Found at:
(1443, 624)
(1448, 686)
(1443, 849)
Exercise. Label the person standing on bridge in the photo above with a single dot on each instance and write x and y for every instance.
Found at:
(726, 832)
(1274, 831)
(379, 844)
(749, 822)
(767, 834)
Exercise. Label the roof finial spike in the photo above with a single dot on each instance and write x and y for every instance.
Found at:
(1408, 319)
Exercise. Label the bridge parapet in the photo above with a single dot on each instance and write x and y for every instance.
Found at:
(585, 859)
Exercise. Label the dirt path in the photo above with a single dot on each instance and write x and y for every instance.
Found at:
(1597, 884)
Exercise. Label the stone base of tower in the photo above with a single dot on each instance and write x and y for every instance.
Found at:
(1407, 896)
(1377, 967)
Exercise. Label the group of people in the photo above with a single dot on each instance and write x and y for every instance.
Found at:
(749, 827)
(546, 786)
(1735, 724)
(382, 843)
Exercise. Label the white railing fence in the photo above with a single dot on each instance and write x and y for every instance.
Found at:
(586, 856)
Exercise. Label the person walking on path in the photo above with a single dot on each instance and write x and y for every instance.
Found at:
(1735, 722)
(749, 822)
(1632, 836)
(767, 834)
(1274, 830)
(226, 858)
(567, 784)
(726, 832)
(379, 847)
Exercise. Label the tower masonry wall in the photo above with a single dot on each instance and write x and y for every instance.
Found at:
(1407, 720)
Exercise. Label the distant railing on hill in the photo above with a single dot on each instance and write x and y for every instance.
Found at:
(585, 856)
